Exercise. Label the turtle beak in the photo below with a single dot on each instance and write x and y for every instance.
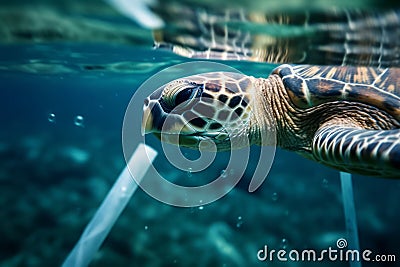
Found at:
(147, 121)
(148, 124)
(156, 120)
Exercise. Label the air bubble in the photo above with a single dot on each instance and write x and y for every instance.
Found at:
(325, 183)
(201, 208)
(239, 222)
(223, 174)
(189, 172)
(52, 118)
(146, 227)
(284, 243)
(79, 121)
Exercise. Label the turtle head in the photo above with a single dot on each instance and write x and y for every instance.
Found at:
(214, 106)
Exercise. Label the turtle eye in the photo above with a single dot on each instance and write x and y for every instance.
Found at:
(187, 94)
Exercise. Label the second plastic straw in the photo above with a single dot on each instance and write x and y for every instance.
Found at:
(114, 203)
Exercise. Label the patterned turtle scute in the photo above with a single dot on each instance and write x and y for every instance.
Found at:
(294, 85)
(309, 86)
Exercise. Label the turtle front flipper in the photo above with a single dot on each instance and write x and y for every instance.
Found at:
(367, 152)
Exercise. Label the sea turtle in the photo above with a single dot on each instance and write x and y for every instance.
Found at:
(342, 109)
(342, 116)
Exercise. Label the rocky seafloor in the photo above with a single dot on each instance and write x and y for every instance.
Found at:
(53, 182)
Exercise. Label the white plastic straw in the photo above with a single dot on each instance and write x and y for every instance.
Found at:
(113, 204)
(350, 214)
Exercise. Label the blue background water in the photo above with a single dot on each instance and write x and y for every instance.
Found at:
(54, 174)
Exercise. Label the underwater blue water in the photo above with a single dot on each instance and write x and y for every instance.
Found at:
(61, 111)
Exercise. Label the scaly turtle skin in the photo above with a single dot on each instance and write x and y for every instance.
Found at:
(345, 117)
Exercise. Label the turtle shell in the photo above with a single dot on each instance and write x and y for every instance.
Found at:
(309, 85)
